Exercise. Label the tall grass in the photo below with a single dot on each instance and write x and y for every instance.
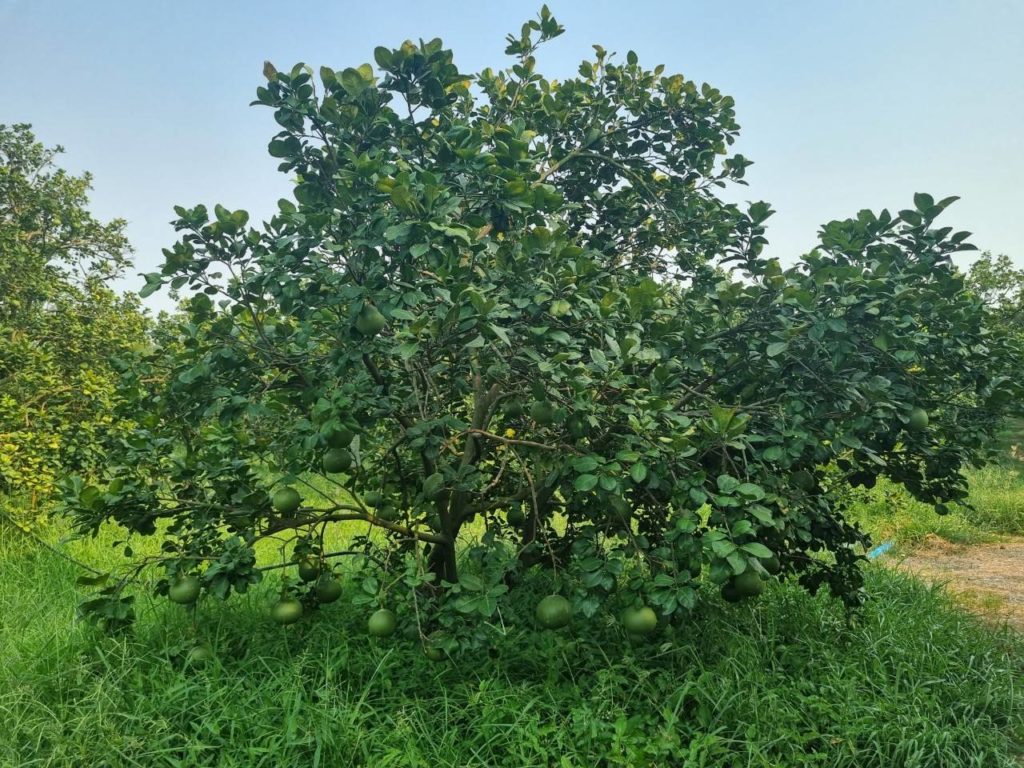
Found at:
(786, 681)
(782, 682)
(997, 494)
(996, 507)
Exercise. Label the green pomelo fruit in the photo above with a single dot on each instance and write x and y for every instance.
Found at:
(338, 437)
(432, 485)
(554, 612)
(729, 593)
(286, 611)
(772, 565)
(286, 500)
(918, 420)
(309, 569)
(516, 516)
(370, 321)
(432, 648)
(184, 591)
(328, 589)
(639, 621)
(748, 583)
(388, 513)
(337, 460)
(382, 623)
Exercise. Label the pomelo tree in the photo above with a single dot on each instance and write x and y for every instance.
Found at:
(506, 323)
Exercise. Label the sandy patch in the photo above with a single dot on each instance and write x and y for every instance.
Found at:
(988, 579)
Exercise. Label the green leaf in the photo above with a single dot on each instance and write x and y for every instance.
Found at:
(501, 333)
(383, 57)
(460, 233)
(352, 81)
(223, 214)
(398, 232)
(278, 148)
(757, 550)
(585, 482)
(585, 464)
(153, 284)
(727, 483)
(750, 491)
(741, 528)
(408, 349)
(471, 582)
(777, 348)
(738, 562)
(850, 440)
(723, 547)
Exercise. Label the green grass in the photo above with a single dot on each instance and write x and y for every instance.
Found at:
(783, 682)
(996, 495)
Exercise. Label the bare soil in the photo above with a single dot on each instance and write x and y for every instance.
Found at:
(988, 579)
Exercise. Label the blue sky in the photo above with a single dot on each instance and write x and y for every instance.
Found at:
(844, 105)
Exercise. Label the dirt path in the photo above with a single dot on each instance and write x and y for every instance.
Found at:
(988, 579)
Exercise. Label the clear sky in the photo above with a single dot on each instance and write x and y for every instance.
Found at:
(844, 104)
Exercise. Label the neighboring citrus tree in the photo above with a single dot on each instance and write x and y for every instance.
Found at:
(61, 326)
(508, 324)
(1000, 284)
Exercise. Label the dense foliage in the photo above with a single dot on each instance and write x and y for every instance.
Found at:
(61, 326)
(514, 312)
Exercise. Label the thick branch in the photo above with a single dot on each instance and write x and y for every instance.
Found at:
(286, 523)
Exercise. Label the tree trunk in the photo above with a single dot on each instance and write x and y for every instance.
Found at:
(442, 564)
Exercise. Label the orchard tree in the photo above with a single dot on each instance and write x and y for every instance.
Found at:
(61, 326)
(1000, 284)
(507, 323)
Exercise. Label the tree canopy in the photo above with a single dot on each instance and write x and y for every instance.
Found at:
(509, 322)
